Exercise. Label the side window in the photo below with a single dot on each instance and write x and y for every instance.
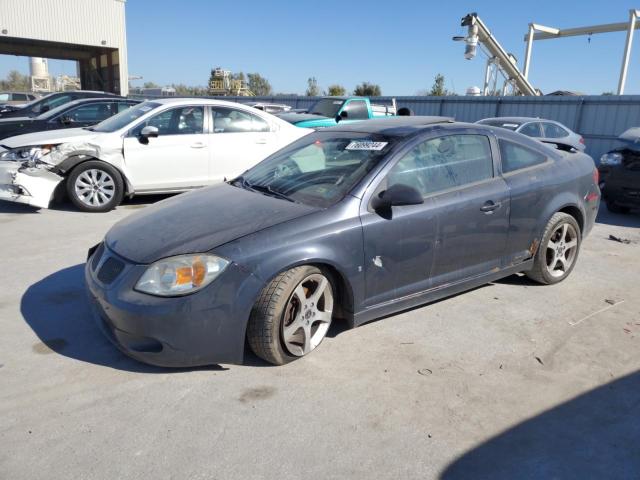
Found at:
(444, 162)
(94, 113)
(515, 157)
(52, 103)
(19, 96)
(175, 121)
(531, 130)
(551, 130)
(356, 110)
(230, 120)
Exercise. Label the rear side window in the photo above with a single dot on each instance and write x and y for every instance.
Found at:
(515, 157)
(356, 110)
(531, 130)
(551, 130)
(19, 96)
(443, 163)
(230, 120)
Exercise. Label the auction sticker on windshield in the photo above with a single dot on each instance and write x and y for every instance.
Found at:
(375, 146)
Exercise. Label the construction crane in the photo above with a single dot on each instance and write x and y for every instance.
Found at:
(499, 62)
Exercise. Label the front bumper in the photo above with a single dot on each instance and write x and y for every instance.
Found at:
(30, 186)
(620, 186)
(203, 328)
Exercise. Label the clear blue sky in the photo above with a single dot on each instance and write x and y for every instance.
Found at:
(400, 45)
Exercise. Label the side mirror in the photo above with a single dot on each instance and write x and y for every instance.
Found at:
(396, 196)
(66, 120)
(341, 116)
(148, 132)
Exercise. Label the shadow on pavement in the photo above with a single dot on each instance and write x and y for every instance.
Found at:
(631, 219)
(595, 435)
(57, 310)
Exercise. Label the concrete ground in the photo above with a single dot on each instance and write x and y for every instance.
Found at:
(511, 380)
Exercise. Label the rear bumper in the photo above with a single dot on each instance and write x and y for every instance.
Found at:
(204, 328)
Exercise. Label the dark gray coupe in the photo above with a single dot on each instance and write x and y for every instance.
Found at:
(353, 223)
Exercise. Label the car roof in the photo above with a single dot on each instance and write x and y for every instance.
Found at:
(199, 100)
(80, 101)
(401, 126)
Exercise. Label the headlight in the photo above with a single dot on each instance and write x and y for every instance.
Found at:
(611, 159)
(31, 153)
(180, 275)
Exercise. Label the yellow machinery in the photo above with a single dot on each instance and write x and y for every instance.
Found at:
(223, 84)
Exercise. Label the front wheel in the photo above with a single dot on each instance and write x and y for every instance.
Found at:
(558, 250)
(95, 186)
(292, 315)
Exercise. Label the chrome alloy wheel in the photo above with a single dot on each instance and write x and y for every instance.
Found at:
(307, 316)
(562, 249)
(94, 187)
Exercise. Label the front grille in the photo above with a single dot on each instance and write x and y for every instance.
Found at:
(110, 270)
(97, 255)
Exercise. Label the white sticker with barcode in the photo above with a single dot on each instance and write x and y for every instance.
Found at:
(375, 146)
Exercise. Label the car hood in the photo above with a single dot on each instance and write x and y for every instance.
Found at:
(197, 222)
(299, 117)
(51, 136)
(631, 135)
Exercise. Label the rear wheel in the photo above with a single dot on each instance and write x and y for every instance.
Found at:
(615, 208)
(95, 186)
(558, 250)
(292, 315)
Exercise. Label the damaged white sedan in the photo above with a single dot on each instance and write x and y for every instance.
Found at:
(164, 146)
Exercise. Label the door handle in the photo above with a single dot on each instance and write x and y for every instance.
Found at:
(198, 145)
(489, 206)
(261, 141)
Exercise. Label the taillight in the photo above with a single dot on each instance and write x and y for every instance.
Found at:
(596, 176)
(581, 140)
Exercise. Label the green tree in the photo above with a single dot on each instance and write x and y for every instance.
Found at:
(150, 85)
(15, 81)
(366, 89)
(336, 90)
(438, 89)
(259, 85)
(312, 87)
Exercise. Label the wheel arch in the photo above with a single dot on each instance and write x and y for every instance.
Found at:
(67, 165)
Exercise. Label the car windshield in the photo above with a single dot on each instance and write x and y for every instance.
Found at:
(124, 118)
(319, 169)
(327, 107)
(501, 123)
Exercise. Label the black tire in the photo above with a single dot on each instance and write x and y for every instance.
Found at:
(615, 208)
(540, 271)
(266, 327)
(116, 190)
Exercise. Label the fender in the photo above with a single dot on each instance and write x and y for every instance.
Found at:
(65, 167)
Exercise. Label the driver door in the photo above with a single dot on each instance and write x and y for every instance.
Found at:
(177, 159)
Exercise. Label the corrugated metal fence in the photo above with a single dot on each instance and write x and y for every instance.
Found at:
(599, 119)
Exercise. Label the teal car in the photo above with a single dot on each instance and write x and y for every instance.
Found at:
(328, 111)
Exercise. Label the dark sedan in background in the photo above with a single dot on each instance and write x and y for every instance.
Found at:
(78, 113)
(620, 173)
(49, 102)
(353, 222)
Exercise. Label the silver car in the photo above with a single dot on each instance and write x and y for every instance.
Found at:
(538, 128)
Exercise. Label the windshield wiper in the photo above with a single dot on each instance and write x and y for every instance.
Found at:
(265, 189)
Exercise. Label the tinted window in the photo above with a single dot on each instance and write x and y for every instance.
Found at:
(229, 120)
(444, 162)
(94, 113)
(356, 110)
(515, 157)
(531, 130)
(551, 130)
(19, 96)
(175, 121)
(51, 103)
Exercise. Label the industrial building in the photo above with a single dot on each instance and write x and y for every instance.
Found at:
(92, 33)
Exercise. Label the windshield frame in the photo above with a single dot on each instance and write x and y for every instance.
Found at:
(352, 178)
(105, 125)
